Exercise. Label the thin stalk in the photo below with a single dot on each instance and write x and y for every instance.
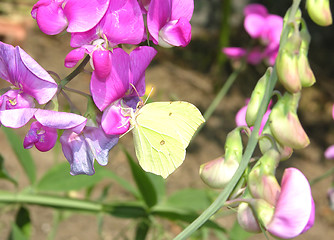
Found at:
(221, 94)
(75, 72)
(323, 176)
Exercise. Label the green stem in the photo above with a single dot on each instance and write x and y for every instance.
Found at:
(323, 176)
(252, 142)
(221, 94)
(75, 72)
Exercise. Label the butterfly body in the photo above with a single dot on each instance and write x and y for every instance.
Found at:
(162, 131)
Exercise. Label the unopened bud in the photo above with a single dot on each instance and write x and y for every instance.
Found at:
(218, 172)
(319, 12)
(284, 122)
(287, 65)
(233, 146)
(267, 142)
(256, 98)
(246, 218)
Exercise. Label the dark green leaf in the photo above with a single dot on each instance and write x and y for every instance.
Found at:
(143, 182)
(3, 172)
(22, 154)
(23, 221)
(142, 229)
(190, 199)
(238, 233)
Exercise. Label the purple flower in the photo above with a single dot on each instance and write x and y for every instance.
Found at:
(168, 21)
(81, 149)
(44, 138)
(261, 25)
(18, 68)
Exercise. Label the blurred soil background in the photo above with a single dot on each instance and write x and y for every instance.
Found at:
(189, 74)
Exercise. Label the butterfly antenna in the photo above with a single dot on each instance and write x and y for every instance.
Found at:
(148, 95)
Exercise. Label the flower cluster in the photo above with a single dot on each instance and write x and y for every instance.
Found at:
(98, 29)
(263, 26)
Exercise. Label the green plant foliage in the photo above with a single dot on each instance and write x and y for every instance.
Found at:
(3, 172)
(22, 154)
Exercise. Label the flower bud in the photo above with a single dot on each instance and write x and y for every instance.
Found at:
(233, 146)
(319, 12)
(287, 65)
(246, 218)
(218, 172)
(306, 75)
(256, 98)
(265, 144)
(285, 125)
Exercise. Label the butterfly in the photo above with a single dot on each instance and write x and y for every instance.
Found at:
(161, 133)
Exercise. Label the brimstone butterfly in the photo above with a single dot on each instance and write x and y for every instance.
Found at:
(161, 132)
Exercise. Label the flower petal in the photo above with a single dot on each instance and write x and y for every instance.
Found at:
(140, 58)
(16, 118)
(176, 33)
(329, 153)
(294, 206)
(74, 56)
(255, 25)
(182, 8)
(256, 8)
(114, 87)
(234, 52)
(61, 120)
(158, 15)
(83, 15)
(49, 16)
(123, 23)
(113, 121)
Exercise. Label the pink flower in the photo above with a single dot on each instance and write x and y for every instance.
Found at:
(261, 25)
(120, 21)
(294, 210)
(168, 21)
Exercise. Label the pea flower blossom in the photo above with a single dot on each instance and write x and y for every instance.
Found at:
(261, 25)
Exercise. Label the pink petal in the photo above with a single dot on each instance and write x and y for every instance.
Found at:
(114, 87)
(16, 118)
(240, 117)
(176, 33)
(83, 15)
(182, 9)
(254, 56)
(43, 137)
(50, 16)
(255, 25)
(234, 52)
(113, 122)
(79, 39)
(74, 56)
(158, 15)
(256, 8)
(102, 63)
(294, 207)
(61, 120)
(329, 153)
(123, 23)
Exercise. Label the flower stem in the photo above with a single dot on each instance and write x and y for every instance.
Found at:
(75, 72)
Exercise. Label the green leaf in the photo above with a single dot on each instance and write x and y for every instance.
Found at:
(199, 199)
(16, 233)
(142, 229)
(238, 233)
(177, 214)
(143, 181)
(22, 154)
(59, 178)
(3, 172)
